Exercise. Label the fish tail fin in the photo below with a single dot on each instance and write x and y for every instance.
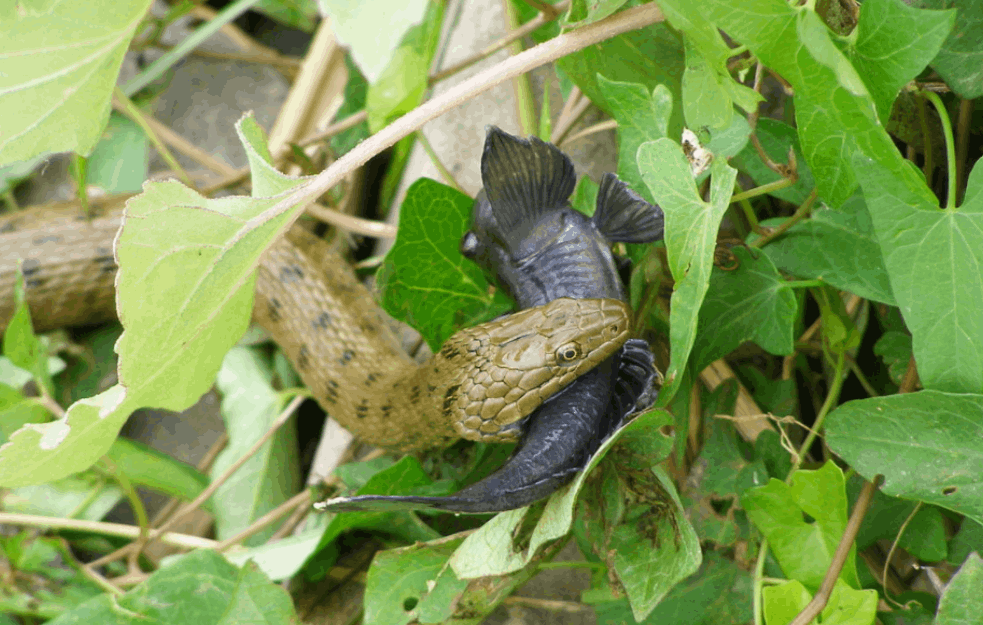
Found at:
(524, 177)
(623, 215)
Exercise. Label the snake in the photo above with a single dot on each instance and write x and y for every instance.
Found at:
(480, 385)
(525, 233)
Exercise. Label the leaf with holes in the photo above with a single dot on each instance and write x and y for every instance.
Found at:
(940, 433)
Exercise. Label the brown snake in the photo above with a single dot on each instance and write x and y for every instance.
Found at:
(483, 380)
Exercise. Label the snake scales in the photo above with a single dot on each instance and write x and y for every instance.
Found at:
(481, 384)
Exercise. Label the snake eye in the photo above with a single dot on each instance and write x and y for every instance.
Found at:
(568, 353)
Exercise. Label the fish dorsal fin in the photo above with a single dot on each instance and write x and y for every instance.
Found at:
(622, 215)
(524, 177)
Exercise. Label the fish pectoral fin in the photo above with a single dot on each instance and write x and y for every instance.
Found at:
(634, 387)
(523, 178)
(624, 216)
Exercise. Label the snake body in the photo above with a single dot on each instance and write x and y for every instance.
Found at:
(525, 233)
(480, 385)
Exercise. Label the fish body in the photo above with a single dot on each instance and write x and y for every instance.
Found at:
(525, 233)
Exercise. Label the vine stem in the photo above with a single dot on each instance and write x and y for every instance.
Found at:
(822, 595)
(547, 52)
(950, 145)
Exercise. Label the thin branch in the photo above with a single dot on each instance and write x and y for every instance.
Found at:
(963, 126)
(608, 124)
(351, 223)
(518, 33)
(209, 491)
(819, 601)
(435, 159)
(300, 500)
(203, 466)
(548, 10)
(801, 213)
(564, 124)
(122, 530)
(567, 43)
(124, 105)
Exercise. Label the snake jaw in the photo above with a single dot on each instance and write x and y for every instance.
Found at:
(506, 371)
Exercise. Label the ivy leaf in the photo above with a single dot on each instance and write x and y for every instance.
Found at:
(208, 589)
(837, 246)
(627, 58)
(940, 433)
(424, 280)
(749, 303)
(804, 550)
(691, 236)
(776, 138)
(961, 603)
(934, 259)
(961, 56)
(58, 67)
(892, 44)
(835, 114)
(641, 117)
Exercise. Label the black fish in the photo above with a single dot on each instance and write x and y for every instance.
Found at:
(525, 233)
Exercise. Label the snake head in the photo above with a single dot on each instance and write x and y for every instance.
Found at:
(507, 368)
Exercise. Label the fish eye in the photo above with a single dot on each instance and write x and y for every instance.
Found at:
(469, 245)
(568, 353)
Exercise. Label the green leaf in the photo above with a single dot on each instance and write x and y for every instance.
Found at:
(961, 604)
(716, 595)
(20, 344)
(961, 56)
(894, 348)
(484, 553)
(835, 114)
(705, 101)
(924, 535)
(206, 587)
(846, 606)
(691, 236)
(940, 433)
(372, 29)
(15, 173)
(355, 92)
(39, 584)
(401, 85)
(281, 559)
(776, 138)
(299, 14)
(804, 549)
(642, 116)
(836, 246)
(184, 290)
(627, 59)
(57, 71)
(16, 410)
(969, 538)
(398, 583)
(892, 44)
(405, 477)
(145, 466)
(269, 477)
(840, 332)
(84, 496)
(424, 280)
(582, 12)
(119, 162)
(639, 528)
(749, 303)
(934, 259)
